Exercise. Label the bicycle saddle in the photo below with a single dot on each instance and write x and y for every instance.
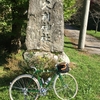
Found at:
(63, 67)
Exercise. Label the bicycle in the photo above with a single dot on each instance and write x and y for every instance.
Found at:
(30, 87)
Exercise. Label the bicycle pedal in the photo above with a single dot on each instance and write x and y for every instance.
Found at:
(43, 91)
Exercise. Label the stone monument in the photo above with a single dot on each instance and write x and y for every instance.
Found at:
(45, 28)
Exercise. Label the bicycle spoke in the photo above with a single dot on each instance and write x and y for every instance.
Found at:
(66, 87)
(24, 88)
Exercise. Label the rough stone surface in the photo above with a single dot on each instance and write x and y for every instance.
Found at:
(61, 57)
(45, 28)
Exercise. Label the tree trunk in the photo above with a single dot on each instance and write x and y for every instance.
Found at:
(16, 31)
(97, 23)
(18, 18)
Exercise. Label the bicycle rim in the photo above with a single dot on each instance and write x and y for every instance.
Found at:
(24, 87)
(66, 88)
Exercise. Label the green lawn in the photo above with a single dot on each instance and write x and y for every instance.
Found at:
(86, 72)
(92, 32)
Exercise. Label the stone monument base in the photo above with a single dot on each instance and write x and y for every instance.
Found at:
(57, 57)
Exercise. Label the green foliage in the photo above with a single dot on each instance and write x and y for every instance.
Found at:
(12, 23)
(69, 8)
(6, 9)
(5, 16)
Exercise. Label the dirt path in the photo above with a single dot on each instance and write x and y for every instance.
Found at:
(92, 45)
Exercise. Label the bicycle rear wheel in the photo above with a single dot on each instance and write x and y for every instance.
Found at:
(24, 87)
(65, 86)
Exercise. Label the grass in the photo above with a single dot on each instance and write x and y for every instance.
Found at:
(92, 32)
(86, 71)
(2, 72)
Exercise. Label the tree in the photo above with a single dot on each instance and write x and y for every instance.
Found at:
(77, 16)
(95, 13)
(13, 20)
(69, 8)
(18, 18)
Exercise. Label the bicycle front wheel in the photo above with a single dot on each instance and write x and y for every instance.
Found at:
(24, 87)
(65, 86)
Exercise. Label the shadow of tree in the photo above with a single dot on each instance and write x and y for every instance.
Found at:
(3, 57)
(7, 77)
(4, 48)
(5, 81)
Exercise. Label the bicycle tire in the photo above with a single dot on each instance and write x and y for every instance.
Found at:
(66, 88)
(24, 87)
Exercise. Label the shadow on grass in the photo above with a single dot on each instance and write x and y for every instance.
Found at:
(3, 56)
(72, 46)
(92, 46)
(8, 77)
(4, 47)
(5, 81)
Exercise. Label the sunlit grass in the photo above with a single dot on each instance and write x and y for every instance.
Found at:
(87, 73)
(2, 72)
(92, 32)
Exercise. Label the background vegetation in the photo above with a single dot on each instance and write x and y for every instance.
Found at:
(13, 20)
(70, 8)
